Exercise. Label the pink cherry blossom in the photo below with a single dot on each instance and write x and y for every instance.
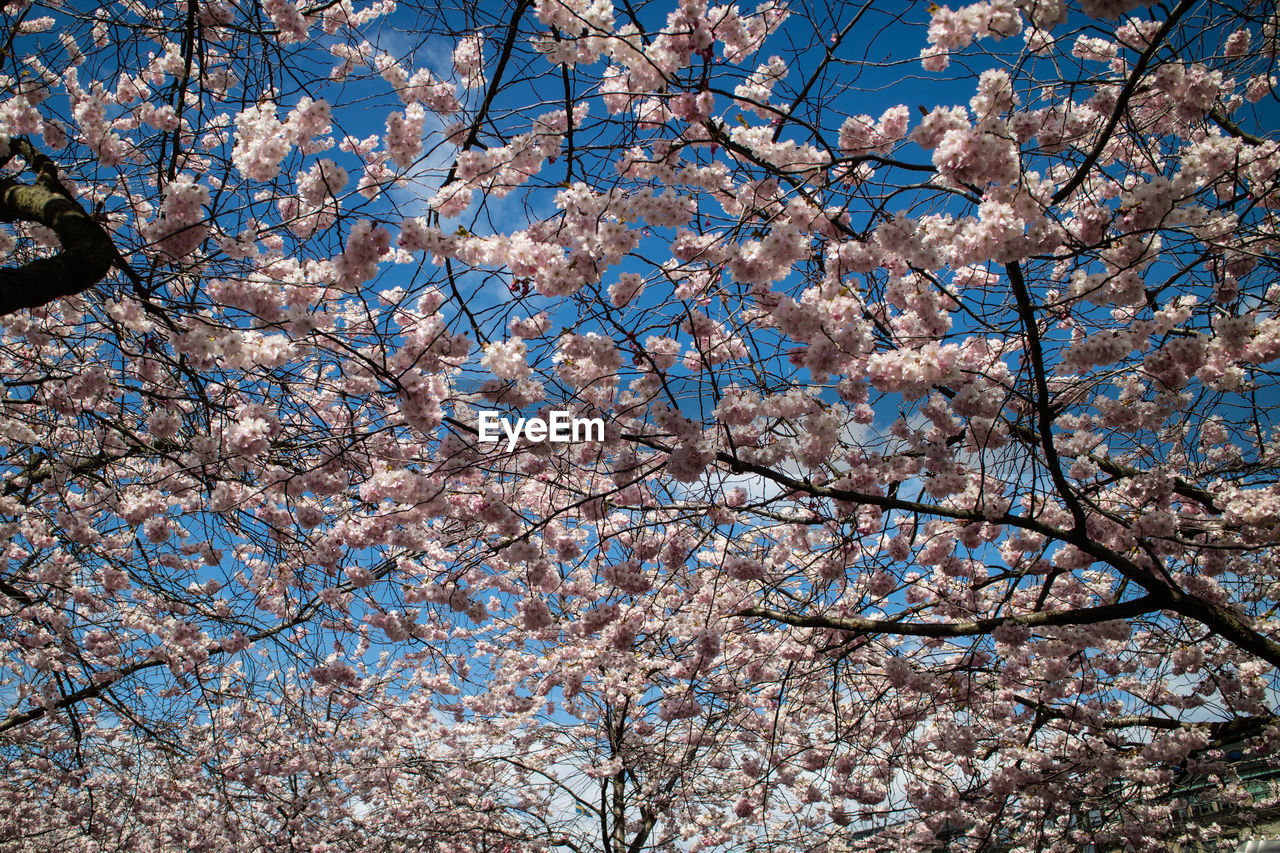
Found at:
(928, 495)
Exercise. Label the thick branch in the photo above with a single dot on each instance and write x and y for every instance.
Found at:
(1218, 618)
(1044, 406)
(1221, 732)
(87, 251)
(1122, 103)
(89, 691)
(863, 625)
(104, 680)
(473, 135)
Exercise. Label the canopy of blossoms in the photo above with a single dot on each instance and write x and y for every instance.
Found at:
(935, 351)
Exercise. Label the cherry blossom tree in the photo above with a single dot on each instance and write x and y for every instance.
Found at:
(937, 501)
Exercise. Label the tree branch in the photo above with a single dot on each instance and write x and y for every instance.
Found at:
(863, 625)
(105, 680)
(1122, 102)
(87, 251)
(1044, 408)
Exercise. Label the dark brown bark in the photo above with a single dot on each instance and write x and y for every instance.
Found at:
(87, 251)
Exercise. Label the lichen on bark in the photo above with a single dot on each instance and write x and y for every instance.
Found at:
(87, 250)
